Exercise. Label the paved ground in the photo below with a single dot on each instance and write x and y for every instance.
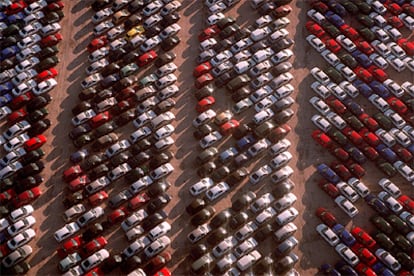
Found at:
(77, 33)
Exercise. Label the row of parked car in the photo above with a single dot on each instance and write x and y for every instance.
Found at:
(252, 64)
(358, 59)
(127, 39)
(30, 35)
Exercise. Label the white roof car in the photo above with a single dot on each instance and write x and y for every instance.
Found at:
(336, 120)
(94, 260)
(199, 233)
(390, 202)
(347, 254)
(316, 16)
(265, 215)
(151, 43)
(134, 219)
(221, 57)
(408, 87)
(97, 65)
(66, 231)
(286, 216)
(207, 44)
(281, 80)
(320, 76)
(379, 102)
(346, 206)
(321, 89)
(15, 142)
(102, 15)
(284, 202)
(28, 41)
(144, 118)
(394, 87)
(90, 216)
(201, 186)
(73, 212)
(248, 260)
(217, 190)
(262, 202)
(408, 218)
(401, 137)
(157, 246)
(19, 213)
(260, 174)
(103, 27)
(117, 148)
(321, 122)
(98, 54)
(261, 93)
(44, 86)
(349, 89)
(263, 116)
(16, 129)
(210, 139)
(396, 63)
(246, 230)
(388, 259)
(214, 18)
(390, 187)
(316, 43)
(134, 233)
(260, 33)
(327, 234)
(385, 137)
(140, 134)
(244, 66)
(21, 239)
(395, 118)
(224, 246)
(379, 61)
(320, 105)
(24, 87)
(330, 57)
(346, 43)
(359, 187)
(163, 143)
(404, 170)
(245, 247)
(161, 171)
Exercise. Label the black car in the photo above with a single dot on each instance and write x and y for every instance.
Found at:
(221, 218)
(264, 265)
(153, 220)
(79, 156)
(164, 106)
(135, 6)
(165, 58)
(99, 171)
(198, 250)
(158, 188)
(32, 156)
(72, 199)
(205, 156)
(31, 169)
(170, 19)
(139, 159)
(283, 188)
(238, 220)
(236, 177)
(28, 183)
(158, 203)
(220, 173)
(243, 201)
(92, 231)
(79, 131)
(52, 17)
(135, 174)
(125, 117)
(83, 140)
(47, 63)
(131, 264)
(39, 127)
(263, 233)
(87, 94)
(92, 161)
(120, 158)
(169, 43)
(100, 96)
(160, 159)
(119, 199)
(202, 131)
(47, 52)
(206, 169)
(207, 90)
(195, 206)
(217, 235)
(111, 263)
(38, 102)
(103, 129)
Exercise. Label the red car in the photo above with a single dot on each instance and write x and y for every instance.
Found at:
(99, 119)
(203, 68)
(205, 104)
(26, 197)
(4, 250)
(21, 100)
(94, 272)
(320, 7)
(97, 198)
(369, 137)
(371, 153)
(364, 254)
(332, 45)
(203, 80)
(51, 40)
(17, 116)
(47, 74)
(404, 154)
(117, 215)
(97, 43)
(138, 201)
(340, 153)
(315, 29)
(349, 32)
(163, 272)
(407, 202)
(70, 246)
(378, 73)
(393, 8)
(208, 33)
(327, 217)
(15, 7)
(72, 173)
(364, 47)
(363, 74)
(394, 21)
(55, 6)
(408, 8)
(146, 58)
(341, 170)
(7, 195)
(279, 133)
(228, 127)
(94, 245)
(357, 170)
(79, 182)
(363, 237)
(397, 105)
(352, 135)
(322, 139)
(407, 45)
(35, 142)
(329, 188)
(364, 270)
(281, 11)
(369, 122)
(336, 105)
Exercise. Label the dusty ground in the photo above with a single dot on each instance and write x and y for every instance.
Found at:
(77, 33)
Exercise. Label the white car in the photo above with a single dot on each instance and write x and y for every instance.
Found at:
(4, 223)
(217, 190)
(103, 27)
(221, 68)
(248, 260)
(320, 105)
(165, 81)
(407, 20)
(396, 50)
(17, 256)
(396, 63)
(379, 61)
(262, 202)
(97, 66)
(134, 233)
(170, 7)
(245, 231)
(24, 87)
(280, 160)
(21, 239)
(19, 213)
(166, 69)
(49, 29)
(157, 246)
(169, 31)
(408, 87)
(201, 186)
(316, 43)
(83, 117)
(385, 137)
(279, 147)
(224, 246)
(390, 202)
(28, 41)
(152, 7)
(408, 218)
(260, 33)
(10, 169)
(91, 80)
(101, 15)
(347, 254)
(44, 86)
(199, 233)
(330, 57)
(98, 54)
(401, 137)
(210, 139)
(207, 44)
(140, 134)
(390, 187)
(221, 57)
(284, 202)
(118, 147)
(150, 43)
(119, 171)
(94, 260)
(265, 215)
(327, 234)
(241, 45)
(404, 170)
(281, 56)
(134, 219)
(337, 91)
(395, 118)
(97, 185)
(260, 174)
(214, 18)
(262, 55)
(287, 216)
(320, 89)
(245, 247)
(321, 123)
(225, 262)
(24, 76)
(359, 187)
(336, 120)
(16, 129)
(349, 89)
(73, 212)
(263, 116)
(66, 231)
(160, 230)
(394, 87)
(144, 118)
(89, 216)
(320, 76)
(346, 206)
(15, 142)
(388, 259)
(161, 171)
(281, 174)
(346, 43)
(217, 7)
(316, 16)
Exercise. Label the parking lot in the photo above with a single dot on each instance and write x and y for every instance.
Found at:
(312, 250)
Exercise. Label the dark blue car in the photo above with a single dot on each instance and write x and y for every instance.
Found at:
(345, 268)
(328, 269)
(325, 171)
(6, 87)
(381, 269)
(387, 153)
(15, 18)
(346, 237)
(334, 19)
(355, 153)
(9, 52)
(380, 89)
(379, 206)
(245, 142)
(5, 99)
(362, 58)
(363, 88)
(228, 155)
(353, 106)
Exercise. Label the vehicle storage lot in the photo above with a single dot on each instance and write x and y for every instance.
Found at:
(76, 31)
